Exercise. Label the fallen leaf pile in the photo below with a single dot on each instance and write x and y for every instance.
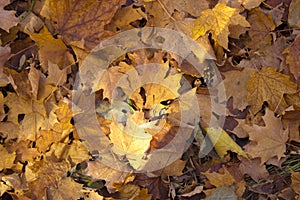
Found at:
(165, 129)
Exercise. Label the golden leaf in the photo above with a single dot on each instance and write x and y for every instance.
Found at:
(66, 189)
(51, 49)
(269, 85)
(223, 142)
(217, 21)
(7, 159)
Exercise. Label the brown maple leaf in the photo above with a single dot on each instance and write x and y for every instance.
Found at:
(268, 141)
(8, 18)
(293, 57)
(77, 20)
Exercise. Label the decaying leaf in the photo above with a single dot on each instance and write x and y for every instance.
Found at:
(98, 170)
(217, 21)
(78, 20)
(223, 192)
(224, 178)
(269, 85)
(268, 141)
(296, 182)
(294, 17)
(66, 189)
(261, 26)
(44, 175)
(253, 168)
(293, 57)
(8, 18)
(236, 86)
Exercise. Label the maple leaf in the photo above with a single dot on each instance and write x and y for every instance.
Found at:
(78, 20)
(217, 21)
(44, 175)
(131, 191)
(7, 159)
(253, 168)
(224, 178)
(293, 57)
(192, 7)
(162, 86)
(291, 121)
(131, 141)
(98, 170)
(261, 26)
(4, 55)
(268, 141)
(248, 4)
(235, 84)
(268, 55)
(109, 81)
(155, 185)
(124, 18)
(174, 169)
(223, 192)
(66, 189)
(269, 85)
(8, 18)
(50, 49)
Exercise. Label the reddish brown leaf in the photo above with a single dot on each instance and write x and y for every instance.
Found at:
(77, 20)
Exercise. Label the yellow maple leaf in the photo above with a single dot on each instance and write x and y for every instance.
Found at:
(269, 85)
(130, 141)
(222, 142)
(51, 49)
(217, 21)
